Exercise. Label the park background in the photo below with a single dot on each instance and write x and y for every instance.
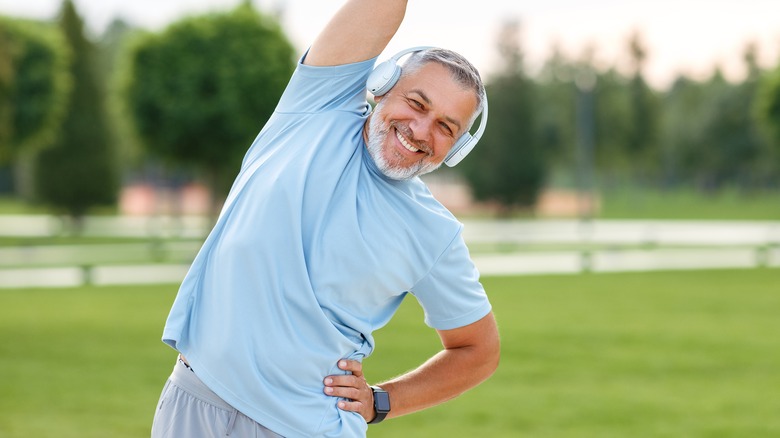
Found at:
(624, 211)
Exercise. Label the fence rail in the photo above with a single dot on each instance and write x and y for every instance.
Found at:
(105, 226)
(641, 232)
(596, 246)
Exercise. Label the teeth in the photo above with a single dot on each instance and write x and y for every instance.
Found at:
(405, 143)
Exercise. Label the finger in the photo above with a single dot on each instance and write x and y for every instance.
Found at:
(351, 365)
(352, 406)
(347, 380)
(353, 394)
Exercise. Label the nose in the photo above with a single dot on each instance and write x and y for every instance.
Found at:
(422, 128)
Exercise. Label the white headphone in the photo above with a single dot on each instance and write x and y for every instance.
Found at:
(386, 75)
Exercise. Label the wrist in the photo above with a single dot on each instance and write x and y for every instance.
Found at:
(381, 404)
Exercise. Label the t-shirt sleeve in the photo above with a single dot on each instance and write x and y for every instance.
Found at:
(451, 294)
(314, 89)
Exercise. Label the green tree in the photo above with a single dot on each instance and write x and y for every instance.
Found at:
(200, 91)
(35, 85)
(766, 107)
(79, 171)
(642, 135)
(510, 169)
(112, 56)
(681, 124)
(555, 111)
(710, 133)
(6, 76)
(613, 126)
(735, 149)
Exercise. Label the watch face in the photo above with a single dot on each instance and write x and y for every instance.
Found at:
(382, 401)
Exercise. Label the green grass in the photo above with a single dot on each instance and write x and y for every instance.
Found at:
(14, 205)
(83, 362)
(678, 354)
(665, 354)
(727, 204)
(24, 241)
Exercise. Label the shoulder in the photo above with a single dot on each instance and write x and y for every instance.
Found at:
(436, 226)
(319, 88)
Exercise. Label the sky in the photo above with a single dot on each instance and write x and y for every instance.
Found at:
(682, 36)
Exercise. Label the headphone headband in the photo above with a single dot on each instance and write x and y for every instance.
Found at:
(403, 52)
(386, 74)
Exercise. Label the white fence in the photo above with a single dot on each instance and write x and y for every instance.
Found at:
(613, 245)
(619, 232)
(597, 246)
(105, 226)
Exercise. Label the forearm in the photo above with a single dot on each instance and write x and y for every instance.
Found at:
(443, 377)
(469, 357)
(360, 30)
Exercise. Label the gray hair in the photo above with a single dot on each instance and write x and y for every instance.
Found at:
(463, 72)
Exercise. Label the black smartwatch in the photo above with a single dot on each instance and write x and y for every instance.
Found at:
(381, 404)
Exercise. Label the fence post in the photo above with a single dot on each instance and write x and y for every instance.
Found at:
(86, 275)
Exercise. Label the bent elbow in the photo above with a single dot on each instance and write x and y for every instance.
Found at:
(489, 357)
(494, 357)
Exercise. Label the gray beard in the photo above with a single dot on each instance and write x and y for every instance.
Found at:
(377, 134)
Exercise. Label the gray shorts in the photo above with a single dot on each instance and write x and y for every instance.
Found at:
(187, 408)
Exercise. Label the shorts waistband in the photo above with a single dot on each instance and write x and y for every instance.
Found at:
(185, 379)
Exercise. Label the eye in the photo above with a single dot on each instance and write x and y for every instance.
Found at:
(416, 104)
(446, 128)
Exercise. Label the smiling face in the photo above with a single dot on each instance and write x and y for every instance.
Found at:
(417, 122)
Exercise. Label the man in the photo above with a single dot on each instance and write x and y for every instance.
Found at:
(325, 231)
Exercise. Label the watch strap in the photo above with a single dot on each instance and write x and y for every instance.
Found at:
(380, 410)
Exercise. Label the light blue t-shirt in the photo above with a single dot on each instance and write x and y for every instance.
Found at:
(313, 251)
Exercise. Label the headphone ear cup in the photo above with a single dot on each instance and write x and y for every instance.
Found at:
(467, 142)
(453, 156)
(383, 78)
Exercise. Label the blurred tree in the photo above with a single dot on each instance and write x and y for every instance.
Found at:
(681, 124)
(200, 91)
(112, 57)
(510, 169)
(79, 171)
(6, 76)
(710, 133)
(554, 112)
(767, 110)
(34, 84)
(733, 145)
(642, 135)
(613, 127)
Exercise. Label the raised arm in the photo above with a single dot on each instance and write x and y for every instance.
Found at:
(360, 30)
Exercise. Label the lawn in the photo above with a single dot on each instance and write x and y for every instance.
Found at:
(664, 354)
(687, 204)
